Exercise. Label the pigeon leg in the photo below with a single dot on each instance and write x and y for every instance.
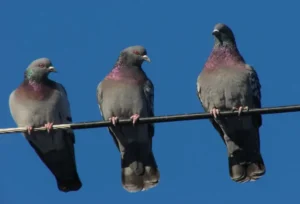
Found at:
(134, 118)
(49, 126)
(113, 120)
(215, 112)
(240, 109)
(29, 129)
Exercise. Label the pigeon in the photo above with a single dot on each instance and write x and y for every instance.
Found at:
(228, 83)
(126, 92)
(37, 102)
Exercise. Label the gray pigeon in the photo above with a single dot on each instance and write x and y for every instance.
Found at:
(125, 93)
(228, 83)
(37, 102)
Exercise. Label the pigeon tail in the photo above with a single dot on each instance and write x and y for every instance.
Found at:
(245, 162)
(62, 165)
(152, 174)
(139, 168)
(66, 185)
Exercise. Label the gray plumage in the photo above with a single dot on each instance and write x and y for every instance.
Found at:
(39, 101)
(126, 91)
(228, 83)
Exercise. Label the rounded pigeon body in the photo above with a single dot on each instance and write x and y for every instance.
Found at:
(126, 92)
(39, 101)
(228, 83)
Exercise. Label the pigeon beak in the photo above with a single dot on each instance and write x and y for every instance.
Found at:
(52, 69)
(215, 32)
(146, 58)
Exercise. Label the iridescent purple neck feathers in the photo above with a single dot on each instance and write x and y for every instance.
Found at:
(33, 90)
(224, 56)
(35, 86)
(127, 74)
(116, 73)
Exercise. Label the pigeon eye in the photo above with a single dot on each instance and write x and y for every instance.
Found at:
(136, 52)
(41, 65)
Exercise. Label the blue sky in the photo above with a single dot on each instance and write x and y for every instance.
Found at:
(83, 40)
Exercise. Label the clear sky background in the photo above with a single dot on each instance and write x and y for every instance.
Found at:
(84, 38)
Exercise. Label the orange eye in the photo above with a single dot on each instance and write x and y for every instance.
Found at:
(41, 65)
(136, 52)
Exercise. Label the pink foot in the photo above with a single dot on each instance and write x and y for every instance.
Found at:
(29, 129)
(240, 109)
(134, 118)
(215, 112)
(49, 127)
(113, 120)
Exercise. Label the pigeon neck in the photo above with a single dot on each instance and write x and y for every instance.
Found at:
(225, 55)
(125, 64)
(125, 60)
(35, 78)
(125, 72)
(224, 42)
(230, 44)
(117, 71)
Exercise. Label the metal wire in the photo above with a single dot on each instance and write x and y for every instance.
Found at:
(159, 119)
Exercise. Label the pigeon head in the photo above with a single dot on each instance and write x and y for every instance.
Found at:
(134, 55)
(223, 35)
(39, 69)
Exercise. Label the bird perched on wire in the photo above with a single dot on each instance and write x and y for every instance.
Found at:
(228, 83)
(127, 92)
(37, 102)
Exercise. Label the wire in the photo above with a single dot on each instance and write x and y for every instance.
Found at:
(159, 119)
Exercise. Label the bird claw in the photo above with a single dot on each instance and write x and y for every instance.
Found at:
(215, 112)
(49, 126)
(134, 118)
(240, 109)
(114, 120)
(29, 129)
